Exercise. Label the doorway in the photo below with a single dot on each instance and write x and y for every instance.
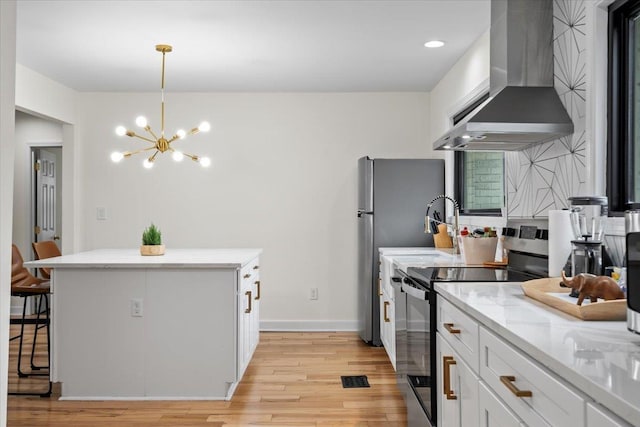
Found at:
(46, 212)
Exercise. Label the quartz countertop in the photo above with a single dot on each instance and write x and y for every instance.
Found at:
(131, 258)
(404, 258)
(601, 359)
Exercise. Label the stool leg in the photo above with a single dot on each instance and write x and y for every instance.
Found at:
(46, 302)
(35, 333)
(24, 313)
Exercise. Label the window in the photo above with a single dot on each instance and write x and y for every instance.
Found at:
(479, 176)
(623, 145)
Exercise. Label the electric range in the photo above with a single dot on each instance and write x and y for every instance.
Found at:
(415, 307)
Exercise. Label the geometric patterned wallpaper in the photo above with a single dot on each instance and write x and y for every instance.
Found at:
(542, 177)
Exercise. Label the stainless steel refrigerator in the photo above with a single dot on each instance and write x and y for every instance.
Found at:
(392, 201)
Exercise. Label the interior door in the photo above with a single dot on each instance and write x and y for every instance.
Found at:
(45, 192)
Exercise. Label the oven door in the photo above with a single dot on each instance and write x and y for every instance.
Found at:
(415, 351)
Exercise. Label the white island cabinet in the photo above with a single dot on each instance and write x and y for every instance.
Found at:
(179, 326)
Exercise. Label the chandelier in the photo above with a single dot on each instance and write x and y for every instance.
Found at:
(160, 144)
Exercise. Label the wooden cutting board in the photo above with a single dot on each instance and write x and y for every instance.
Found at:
(547, 290)
(442, 239)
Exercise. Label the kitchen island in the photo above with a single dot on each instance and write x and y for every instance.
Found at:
(586, 373)
(179, 326)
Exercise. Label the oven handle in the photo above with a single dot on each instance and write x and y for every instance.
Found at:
(421, 294)
(406, 287)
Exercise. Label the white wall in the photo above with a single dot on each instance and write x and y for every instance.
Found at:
(465, 81)
(468, 77)
(39, 95)
(283, 179)
(7, 88)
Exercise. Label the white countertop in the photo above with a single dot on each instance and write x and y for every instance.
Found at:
(131, 258)
(601, 359)
(404, 258)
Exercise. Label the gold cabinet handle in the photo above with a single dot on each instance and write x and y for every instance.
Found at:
(246, 276)
(248, 309)
(508, 380)
(255, 267)
(257, 282)
(447, 361)
(449, 327)
(386, 314)
(379, 286)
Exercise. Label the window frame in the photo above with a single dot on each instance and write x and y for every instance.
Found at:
(620, 133)
(458, 166)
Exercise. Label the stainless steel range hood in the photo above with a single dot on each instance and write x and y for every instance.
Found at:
(523, 107)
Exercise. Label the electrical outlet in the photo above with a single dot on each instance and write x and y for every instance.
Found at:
(101, 213)
(136, 307)
(313, 293)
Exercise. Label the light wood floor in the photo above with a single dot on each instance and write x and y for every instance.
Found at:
(293, 380)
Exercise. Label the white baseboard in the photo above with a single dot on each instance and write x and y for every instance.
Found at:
(308, 325)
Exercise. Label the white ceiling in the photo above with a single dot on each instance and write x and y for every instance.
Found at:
(301, 45)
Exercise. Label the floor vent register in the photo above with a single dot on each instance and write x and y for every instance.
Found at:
(354, 381)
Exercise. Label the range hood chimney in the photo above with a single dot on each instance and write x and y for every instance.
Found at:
(523, 107)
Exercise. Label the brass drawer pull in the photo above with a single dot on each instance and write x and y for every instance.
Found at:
(379, 286)
(447, 361)
(257, 282)
(246, 276)
(248, 309)
(508, 380)
(449, 327)
(386, 315)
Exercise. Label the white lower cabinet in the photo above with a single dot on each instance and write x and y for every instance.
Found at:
(457, 388)
(387, 310)
(248, 314)
(536, 396)
(597, 416)
(493, 412)
(508, 388)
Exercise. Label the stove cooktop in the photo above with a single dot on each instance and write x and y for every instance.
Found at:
(468, 274)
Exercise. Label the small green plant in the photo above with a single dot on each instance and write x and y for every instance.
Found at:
(152, 236)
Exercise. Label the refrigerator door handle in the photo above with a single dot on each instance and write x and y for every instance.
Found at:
(363, 212)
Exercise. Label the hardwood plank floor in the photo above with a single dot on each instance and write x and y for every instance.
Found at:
(293, 380)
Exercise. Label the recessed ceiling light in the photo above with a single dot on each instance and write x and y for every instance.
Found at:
(434, 43)
(446, 147)
(466, 136)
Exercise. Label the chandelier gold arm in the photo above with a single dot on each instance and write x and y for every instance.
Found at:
(176, 136)
(148, 129)
(135, 135)
(191, 156)
(131, 153)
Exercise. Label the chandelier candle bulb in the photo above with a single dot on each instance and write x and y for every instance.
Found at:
(141, 121)
(116, 156)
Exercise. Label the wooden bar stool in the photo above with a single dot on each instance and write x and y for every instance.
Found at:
(25, 285)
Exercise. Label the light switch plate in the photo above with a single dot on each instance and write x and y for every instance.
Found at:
(101, 213)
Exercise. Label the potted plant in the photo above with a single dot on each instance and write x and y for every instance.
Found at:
(152, 241)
